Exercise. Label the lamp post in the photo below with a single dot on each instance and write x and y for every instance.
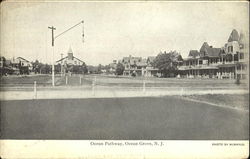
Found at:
(53, 40)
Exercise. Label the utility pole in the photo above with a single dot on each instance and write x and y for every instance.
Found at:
(53, 40)
(61, 64)
(53, 66)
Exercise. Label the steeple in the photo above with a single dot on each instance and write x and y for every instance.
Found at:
(70, 50)
(70, 54)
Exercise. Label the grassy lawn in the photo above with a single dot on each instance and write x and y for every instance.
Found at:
(23, 80)
(162, 82)
(111, 81)
(150, 118)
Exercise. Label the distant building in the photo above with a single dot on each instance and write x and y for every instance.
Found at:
(226, 62)
(138, 66)
(67, 63)
(20, 61)
(70, 59)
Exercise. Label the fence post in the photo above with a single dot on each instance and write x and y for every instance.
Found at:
(66, 80)
(35, 92)
(144, 86)
(80, 80)
(181, 91)
(93, 87)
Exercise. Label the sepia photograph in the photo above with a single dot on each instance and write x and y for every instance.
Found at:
(103, 77)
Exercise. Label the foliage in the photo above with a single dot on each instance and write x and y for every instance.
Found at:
(37, 66)
(120, 69)
(167, 63)
(46, 69)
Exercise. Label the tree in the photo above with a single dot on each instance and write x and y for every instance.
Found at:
(84, 68)
(99, 68)
(167, 63)
(58, 68)
(119, 69)
(37, 66)
(46, 69)
(107, 68)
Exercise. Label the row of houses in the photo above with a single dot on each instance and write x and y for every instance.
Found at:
(229, 61)
(21, 65)
(14, 65)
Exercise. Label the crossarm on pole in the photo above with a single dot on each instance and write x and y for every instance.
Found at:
(68, 29)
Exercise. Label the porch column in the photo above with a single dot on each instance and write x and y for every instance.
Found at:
(240, 71)
(235, 71)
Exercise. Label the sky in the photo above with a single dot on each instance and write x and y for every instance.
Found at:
(114, 30)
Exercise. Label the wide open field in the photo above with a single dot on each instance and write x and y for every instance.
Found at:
(113, 81)
(103, 107)
(163, 118)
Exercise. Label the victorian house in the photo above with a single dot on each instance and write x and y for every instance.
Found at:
(229, 61)
(139, 66)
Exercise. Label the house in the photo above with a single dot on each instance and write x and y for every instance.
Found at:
(201, 63)
(209, 62)
(237, 48)
(130, 65)
(19, 65)
(138, 66)
(21, 62)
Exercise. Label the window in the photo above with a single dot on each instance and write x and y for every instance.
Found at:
(230, 48)
(241, 55)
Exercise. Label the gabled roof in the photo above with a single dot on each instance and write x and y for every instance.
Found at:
(22, 59)
(234, 36)
(69, 52)
(212, 52)
(204, 45)
(209, 51)
(67, 57)
(193, 53)
(131, 60)
(151, 58)
(77, 58)
(62, 59)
